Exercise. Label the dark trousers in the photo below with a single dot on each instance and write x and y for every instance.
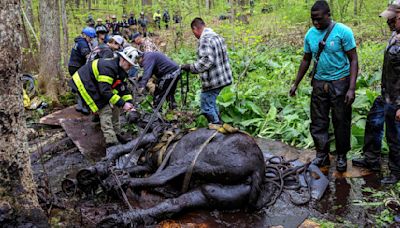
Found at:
(393, 138)
(328, 97)
(161, 89)
(374, 131)
(380, 113)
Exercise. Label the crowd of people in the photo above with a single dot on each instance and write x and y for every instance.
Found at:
(128, 26)
(102, 60)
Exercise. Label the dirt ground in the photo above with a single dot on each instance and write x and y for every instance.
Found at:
(56, 155)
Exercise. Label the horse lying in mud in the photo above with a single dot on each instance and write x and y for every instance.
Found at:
(226, 172)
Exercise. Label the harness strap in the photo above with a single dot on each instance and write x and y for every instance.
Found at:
(166, 159)
(189, 172)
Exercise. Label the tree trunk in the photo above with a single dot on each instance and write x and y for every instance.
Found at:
(146, 3)
(355, 8)
(77, 3)
(208, 5)
(124, 5)
(89, 4)
(19, 205)
(65, 32)
(29, 12)
(50, 77)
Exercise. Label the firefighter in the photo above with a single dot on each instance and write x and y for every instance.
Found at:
(102, 85)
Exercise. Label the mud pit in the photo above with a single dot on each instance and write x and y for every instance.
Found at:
(51, 165)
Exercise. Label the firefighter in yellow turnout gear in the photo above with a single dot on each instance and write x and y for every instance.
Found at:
(102, 85)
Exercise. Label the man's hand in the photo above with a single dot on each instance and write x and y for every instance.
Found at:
(293, 90)
(128, 107)
(185, 67)
(350, 96)
(398, 115)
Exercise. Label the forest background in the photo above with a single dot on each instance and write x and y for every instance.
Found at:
(265, 49)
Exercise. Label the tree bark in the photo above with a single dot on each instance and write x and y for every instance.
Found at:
(18, 200)
(29, 12)
(355, 8)
(146, 2)
(208, 5)
(124, 5)
(64, 21)
(50, 76)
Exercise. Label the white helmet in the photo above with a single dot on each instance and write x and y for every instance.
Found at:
(131, 55)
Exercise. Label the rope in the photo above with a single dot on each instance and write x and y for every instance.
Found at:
(184, 92)
(278, 170)
(189, 172)
(152, 118)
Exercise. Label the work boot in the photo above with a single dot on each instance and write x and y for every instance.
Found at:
(364, 163)
(321, 161)
(391, 179)
(341, 163)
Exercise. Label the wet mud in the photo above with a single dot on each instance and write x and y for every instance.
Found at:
(82, 210)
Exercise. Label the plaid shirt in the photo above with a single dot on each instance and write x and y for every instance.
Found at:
(213, 62)
(148, 46)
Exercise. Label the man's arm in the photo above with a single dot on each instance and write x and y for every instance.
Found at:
(206, 58)
(304, 65)
(148, 66)
(353, 58)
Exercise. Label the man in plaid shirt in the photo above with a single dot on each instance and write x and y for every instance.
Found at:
(213, 67)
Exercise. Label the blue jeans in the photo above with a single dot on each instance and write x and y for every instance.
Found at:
(380, 113)
(374, 131)
(208, 105)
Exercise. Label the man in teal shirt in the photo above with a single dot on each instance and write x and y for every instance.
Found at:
(333, 84)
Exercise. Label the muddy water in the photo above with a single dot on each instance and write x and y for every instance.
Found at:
(336, 204)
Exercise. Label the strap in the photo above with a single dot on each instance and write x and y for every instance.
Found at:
(321, 47)
(322, 43)
(189, 172)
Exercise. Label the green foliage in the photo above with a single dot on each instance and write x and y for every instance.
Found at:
(386, 202)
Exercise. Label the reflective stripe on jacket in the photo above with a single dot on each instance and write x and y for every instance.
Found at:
(94, 82)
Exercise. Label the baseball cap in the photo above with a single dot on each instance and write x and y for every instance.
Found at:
(118, 39)
(391, 11)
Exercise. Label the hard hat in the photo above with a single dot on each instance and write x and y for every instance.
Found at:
(118, 39)
(114, 17)
(101, 29)
(90, 32)
(99, 20)
(142, 13)
(124, 16)
(131, 55)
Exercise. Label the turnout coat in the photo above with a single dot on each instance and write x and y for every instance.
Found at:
(102, 82)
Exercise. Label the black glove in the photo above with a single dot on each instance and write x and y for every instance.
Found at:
(185, 67)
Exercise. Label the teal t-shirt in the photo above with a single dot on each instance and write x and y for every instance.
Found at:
(333, 63)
